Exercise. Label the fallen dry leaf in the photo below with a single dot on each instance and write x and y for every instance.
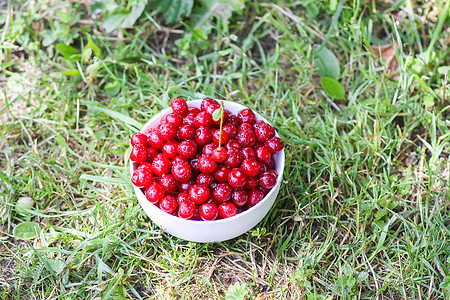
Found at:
(260, 297)
(387, 54)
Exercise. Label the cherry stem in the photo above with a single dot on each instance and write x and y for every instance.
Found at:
(221, 122)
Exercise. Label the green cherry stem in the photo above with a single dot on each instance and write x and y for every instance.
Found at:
(221, 123)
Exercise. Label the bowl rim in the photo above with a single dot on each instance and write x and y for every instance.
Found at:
(237, 216)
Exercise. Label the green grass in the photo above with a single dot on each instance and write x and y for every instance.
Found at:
(363, 211)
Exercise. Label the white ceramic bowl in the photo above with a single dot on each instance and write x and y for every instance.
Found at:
(217, 230)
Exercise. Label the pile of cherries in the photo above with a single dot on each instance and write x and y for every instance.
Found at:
(205, 164)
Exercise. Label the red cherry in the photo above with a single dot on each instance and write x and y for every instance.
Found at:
(263, 154)
(219, 154)
(233, 120)
(246, 138)
(258, 124)
(206, 164)
(222, 193)
(209, 105)
(174, 119)
(138, 153)
(154, 193)
(250, 167)
(203, 136)
(251, 183)
(216, 137)
(239, 197)
(186, 210)
(245, 126)
(237, 178)
(161, 165)
(227, 210)
(154, 139)
(179, 160)
(179, 106)
(166, 131)
(187, 149)
(186, 186)
(168, 204)
(234, 158)
(193, 110)
(274, 144)
(203, 119)
(208, 211)
(233, 144)
(254, 197)
(199, 193)
(267, 180)
(221, 174)
(273, 172)
(249, 153)
(168, 182)
(170, 149)
(206, 179)
(181, 172)
(189, 119)
(151, 153)
(231, 130)
(143, 176)
(262, 168)
(247, 116)
(186, 132)
(264, 132)
(183, 197)
(208, 149)
(139, 138)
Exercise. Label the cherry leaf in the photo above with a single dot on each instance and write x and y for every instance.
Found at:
(217, 114)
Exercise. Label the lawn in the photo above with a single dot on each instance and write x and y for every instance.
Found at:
(358, 90)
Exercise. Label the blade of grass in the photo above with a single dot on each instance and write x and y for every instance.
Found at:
(333, 25)
(438, 29)
(113, 114)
